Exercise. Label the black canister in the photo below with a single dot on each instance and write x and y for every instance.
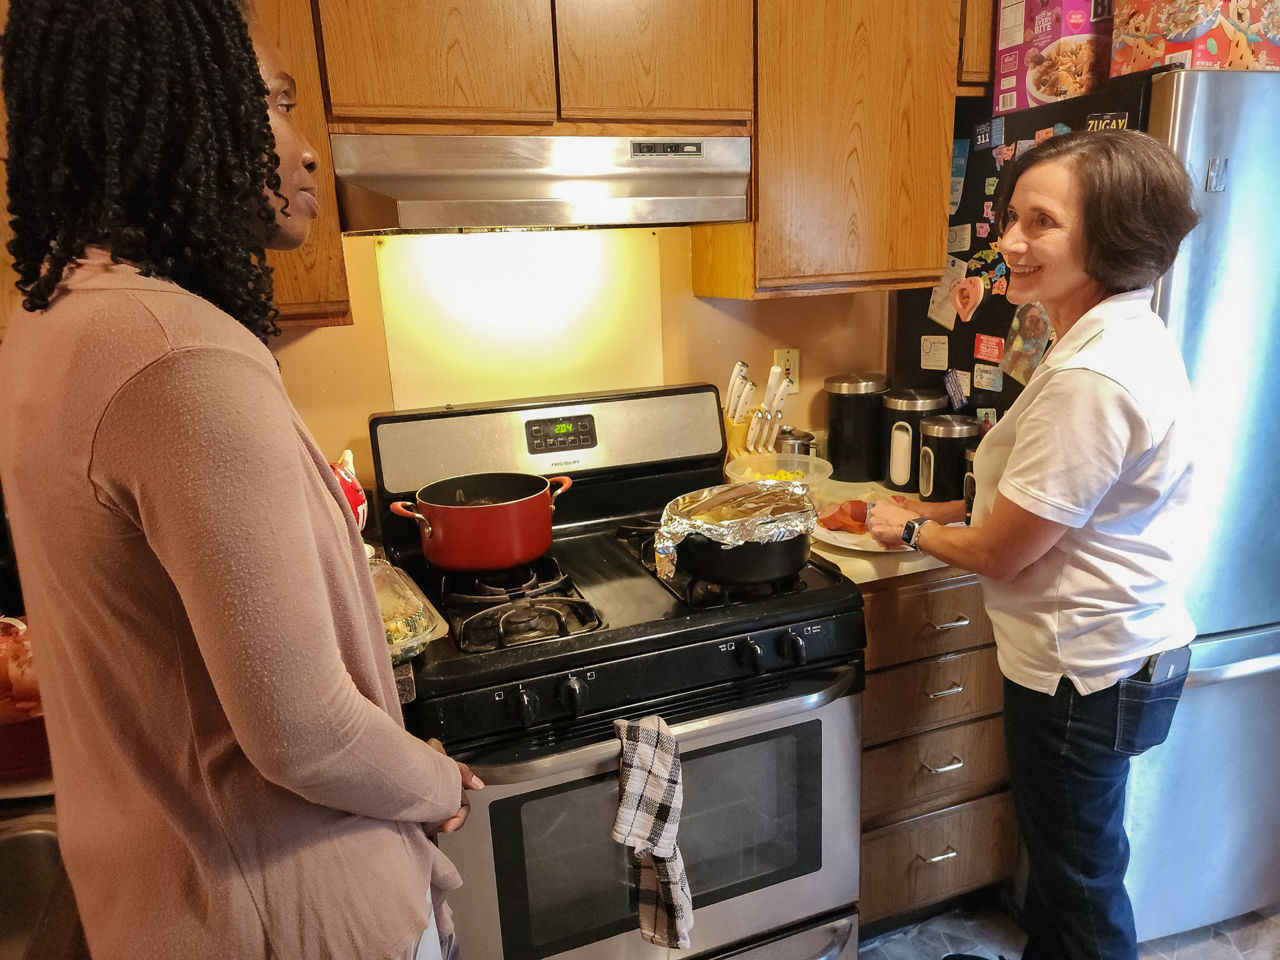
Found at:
(970, 485)
(904, 409)
(942, 444)
(855, 426)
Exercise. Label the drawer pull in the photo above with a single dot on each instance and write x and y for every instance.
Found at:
(954, 688)
(960, 621)
(940, 857)
(955, 764)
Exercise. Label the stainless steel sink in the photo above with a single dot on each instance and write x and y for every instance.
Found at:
(30, 871)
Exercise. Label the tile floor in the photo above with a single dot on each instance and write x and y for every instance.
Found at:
(991, 933)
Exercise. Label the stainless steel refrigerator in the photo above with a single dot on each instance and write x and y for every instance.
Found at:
(1203, 810)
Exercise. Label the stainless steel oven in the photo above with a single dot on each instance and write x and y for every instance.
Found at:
(769, 836)
(759, 683)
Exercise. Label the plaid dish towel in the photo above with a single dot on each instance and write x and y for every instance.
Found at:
(649, 799)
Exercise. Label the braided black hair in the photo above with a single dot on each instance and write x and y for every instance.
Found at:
(140, 126)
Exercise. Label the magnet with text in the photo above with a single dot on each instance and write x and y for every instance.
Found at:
(1003, 154)
(941, 311)
(989, 186)
(982, 136)
(997, 132)
(951, 383)
(1107, 121)
(1021, 147)
(987, 377)
(987, 348)
(982, 229)
(959, 238)
(1044, 134)
(999, 286)
(988, 210)
(933, 352)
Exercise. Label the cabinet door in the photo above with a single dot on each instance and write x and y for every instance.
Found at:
(310, 282)
(439, 59)
(655, 59)
(854, 117)
(976, 41)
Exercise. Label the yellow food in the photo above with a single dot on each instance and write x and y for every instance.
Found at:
(780, 475)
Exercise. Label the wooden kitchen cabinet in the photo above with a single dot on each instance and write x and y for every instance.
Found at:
(310, 282)
(439, 59)
(977, 41)
(852, 154)
(936, 819)
(655, 59)
(939, 855)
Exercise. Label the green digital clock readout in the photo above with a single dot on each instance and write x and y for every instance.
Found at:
(564, 428)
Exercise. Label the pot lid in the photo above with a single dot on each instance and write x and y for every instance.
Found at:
(915, 400)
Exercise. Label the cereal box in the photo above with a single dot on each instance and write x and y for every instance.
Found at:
(1049, 50)
(1200, 34)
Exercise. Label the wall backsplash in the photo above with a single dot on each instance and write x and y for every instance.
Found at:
(609, 309)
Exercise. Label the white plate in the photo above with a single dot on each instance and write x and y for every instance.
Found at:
(853, 541)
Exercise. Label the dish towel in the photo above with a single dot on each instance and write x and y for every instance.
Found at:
(649, 800)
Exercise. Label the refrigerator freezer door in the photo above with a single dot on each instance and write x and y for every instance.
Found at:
(1222, 302)
(1202, 815)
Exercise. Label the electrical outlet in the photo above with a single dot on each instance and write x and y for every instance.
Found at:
(788, 358)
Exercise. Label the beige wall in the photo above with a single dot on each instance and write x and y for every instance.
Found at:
(337, 376)
(703, 338)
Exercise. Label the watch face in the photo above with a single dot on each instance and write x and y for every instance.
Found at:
(909, 533)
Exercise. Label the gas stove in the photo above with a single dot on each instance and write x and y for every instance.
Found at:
(550, 653)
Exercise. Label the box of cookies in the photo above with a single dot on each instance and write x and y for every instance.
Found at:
(1198, 34)
(1048, 50)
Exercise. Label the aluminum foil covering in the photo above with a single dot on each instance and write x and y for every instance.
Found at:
(761, 511)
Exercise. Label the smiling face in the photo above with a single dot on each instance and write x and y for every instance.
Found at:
(1043, 244)
(297, 157)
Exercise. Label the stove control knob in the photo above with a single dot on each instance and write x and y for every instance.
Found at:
(526, 706)
(793, 647)
(573, 693)
(754, 656)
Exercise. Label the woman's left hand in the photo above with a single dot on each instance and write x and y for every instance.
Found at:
(885, 521)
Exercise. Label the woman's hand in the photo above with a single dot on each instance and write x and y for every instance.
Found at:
(886, 519)
(469, 782)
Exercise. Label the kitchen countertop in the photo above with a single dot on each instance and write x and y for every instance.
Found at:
(864, 566)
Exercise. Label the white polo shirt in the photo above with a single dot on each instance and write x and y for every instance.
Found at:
(1100, 440)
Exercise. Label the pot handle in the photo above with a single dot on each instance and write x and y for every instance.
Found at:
(403, 508)
(565, 484)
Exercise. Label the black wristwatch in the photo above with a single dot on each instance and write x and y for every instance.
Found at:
(911, 531)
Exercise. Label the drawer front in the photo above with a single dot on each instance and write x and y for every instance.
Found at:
(924, 620)
(931, 693)
(932, 770)
(921, 861)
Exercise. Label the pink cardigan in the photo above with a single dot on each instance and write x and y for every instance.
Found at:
(232, 774)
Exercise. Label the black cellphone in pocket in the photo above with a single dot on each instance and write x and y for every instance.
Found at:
(1166, 665)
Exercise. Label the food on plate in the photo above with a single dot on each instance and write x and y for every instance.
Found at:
(19, 693)
(850, 516)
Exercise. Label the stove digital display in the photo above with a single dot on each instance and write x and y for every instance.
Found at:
(555, 434)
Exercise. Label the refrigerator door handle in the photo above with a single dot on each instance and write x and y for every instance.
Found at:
(1233, 671)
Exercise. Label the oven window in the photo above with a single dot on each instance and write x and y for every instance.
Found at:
(752, 817)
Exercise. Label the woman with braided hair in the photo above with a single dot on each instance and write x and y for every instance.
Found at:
(232, 773)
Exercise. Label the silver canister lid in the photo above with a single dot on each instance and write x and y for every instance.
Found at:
(915, 400)
(856, 383)
(949, 425)
(792, 440)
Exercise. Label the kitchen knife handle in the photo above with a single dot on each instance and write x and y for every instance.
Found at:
(739, 370)
(779, 396)
(744, 401)
(753, 434)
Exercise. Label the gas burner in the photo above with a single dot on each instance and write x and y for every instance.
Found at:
(525, 621)
(536, 579)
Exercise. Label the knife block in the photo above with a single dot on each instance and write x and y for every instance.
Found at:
(735, 435)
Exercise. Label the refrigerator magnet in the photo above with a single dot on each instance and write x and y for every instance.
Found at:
(982, 136)
(959, 238)
(966, 294)
(933, 352)
(987, 377)
(1027, 341)
(982, 229)
(941, 311)
(1003, 154)
(989, 187)
(1000, 286)
(1022, 147)
(987, 348)
(988, 211)
(997, 131)
(1044, 134)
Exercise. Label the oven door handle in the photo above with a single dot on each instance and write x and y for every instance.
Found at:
(602, 757)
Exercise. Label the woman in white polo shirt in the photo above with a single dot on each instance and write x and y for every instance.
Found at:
(1081, 503)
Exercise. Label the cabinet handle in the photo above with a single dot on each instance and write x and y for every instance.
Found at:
(940, 857)
(954, 688)
(955, 764)
(960, 621)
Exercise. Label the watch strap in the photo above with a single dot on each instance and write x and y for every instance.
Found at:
(911, 531)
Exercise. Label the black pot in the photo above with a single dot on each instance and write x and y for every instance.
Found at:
(704, 559)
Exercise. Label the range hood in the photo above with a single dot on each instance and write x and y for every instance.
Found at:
(411, 182)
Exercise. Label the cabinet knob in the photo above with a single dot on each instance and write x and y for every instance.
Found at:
(754, 656)
(573, 692)
(526, 706)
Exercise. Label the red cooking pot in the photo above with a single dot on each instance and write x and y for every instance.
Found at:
(484, 521)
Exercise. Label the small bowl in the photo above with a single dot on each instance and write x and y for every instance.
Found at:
(812, 470)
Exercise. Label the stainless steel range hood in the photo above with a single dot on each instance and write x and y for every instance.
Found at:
(389, 182)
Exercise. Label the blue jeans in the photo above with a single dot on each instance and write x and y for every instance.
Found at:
(1068, 764)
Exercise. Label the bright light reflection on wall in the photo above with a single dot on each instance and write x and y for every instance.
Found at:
(490, 316)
